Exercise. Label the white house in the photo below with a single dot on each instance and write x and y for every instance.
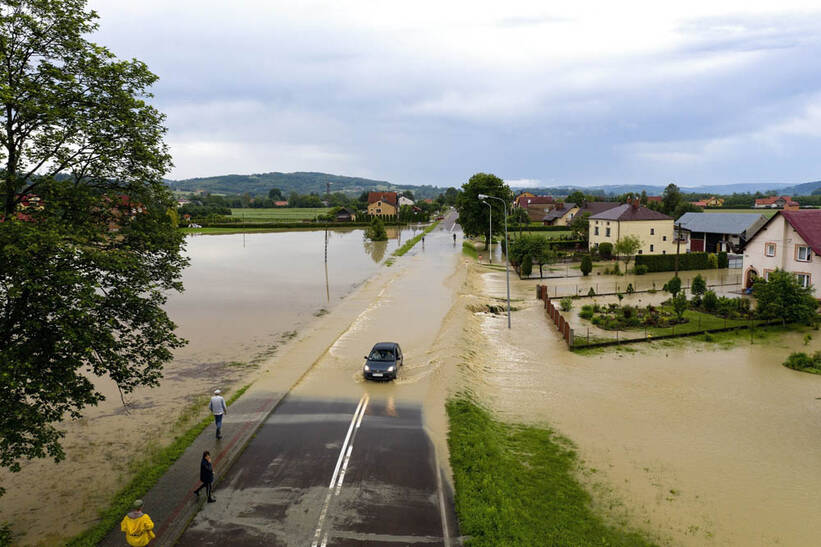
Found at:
(789, 241)
(405, 201)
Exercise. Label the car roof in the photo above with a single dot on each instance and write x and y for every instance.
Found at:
(385, 345)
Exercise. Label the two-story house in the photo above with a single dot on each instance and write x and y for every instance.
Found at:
(789, 241)
(382, 204)
(653, 229)
(776, 202)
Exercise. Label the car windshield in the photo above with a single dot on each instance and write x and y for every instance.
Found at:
(381, 355)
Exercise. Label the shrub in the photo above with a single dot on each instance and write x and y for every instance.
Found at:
(712, 260)
(619, 296)
(708, 337)
(586, 265)
(699, 285)
(667, 263)
(807, 338)
(640, 269)
(627, 311)
(606, 250)
(616, 270)
(566, 304)
(591, 292)
(673, 286)
(744, 306)
(680, 305)
(710, 301)
(527, 266)
(695, 301)
(802, 361)
(587, 312)
(630, 289)
(597, 320)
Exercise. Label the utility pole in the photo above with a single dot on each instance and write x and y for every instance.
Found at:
(678, 245)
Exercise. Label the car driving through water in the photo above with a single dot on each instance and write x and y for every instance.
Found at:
(383, 362)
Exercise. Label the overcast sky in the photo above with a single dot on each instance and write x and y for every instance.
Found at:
(431, 92)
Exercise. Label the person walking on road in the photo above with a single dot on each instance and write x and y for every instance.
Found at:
(454, 238)
(206, 476)
(138, 527)
(218, 408)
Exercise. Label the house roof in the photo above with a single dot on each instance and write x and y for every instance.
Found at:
(387, 197)
(524, 201)
(557, 213)
(718, 223)
(772, 199)
(596, 207)
(808, 225)
(654, 198)
(627, 212)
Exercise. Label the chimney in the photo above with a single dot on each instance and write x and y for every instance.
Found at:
(635, 203)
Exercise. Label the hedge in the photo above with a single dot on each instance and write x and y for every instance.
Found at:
(528, 228)
(686, 261)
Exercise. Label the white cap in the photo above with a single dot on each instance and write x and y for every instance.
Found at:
(216, 392)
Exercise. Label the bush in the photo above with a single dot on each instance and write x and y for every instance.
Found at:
(566, 304)
(699, 285)
(606, 250)
(641, 269)
(673, 286)
(527, 266)
(712, 260)
(586, 265)
(710, 301)
(376, 231)
(802, 361)
(591, 292)
(587, 312)
(630, 289)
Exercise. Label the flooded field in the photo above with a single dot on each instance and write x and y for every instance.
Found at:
(698, 445)
(246, 296)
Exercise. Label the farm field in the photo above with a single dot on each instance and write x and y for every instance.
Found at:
(284, 214)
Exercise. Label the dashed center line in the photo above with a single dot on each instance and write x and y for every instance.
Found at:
(339, 471)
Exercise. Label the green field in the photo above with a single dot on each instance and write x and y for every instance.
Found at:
(548, 235)
(766, 212)
(278, 213)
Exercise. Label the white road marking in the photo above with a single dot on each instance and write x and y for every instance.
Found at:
(344, 468)
(346, 448)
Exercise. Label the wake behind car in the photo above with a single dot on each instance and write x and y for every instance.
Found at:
(383, 362)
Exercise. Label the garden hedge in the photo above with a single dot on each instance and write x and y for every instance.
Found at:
(207, 224)
(686, 261)
(528, 228)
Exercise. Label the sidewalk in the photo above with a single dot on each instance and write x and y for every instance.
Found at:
(171, 503)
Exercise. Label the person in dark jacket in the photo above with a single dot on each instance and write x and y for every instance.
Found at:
(206, 476)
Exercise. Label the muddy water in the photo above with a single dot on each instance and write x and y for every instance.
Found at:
(245, 296)
(701, 447)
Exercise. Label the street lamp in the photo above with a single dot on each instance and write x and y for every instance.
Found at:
(490, 234)
(507, 260)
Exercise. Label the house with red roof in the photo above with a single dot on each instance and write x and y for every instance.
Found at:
(382, 204)
(789, 241)
(653, 229)
(776, 202)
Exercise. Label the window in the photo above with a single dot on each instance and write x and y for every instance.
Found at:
(596, 230)
(769, 249)
(664, 238)
(652, 231)
(803, 254)
(664, 252)
(607, 232)
(639, 251)
(803, 279)
(651, 248)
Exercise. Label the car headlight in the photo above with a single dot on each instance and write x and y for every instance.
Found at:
(391, 368)
(367, 368)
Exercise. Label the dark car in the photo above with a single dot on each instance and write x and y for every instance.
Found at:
(383, 362)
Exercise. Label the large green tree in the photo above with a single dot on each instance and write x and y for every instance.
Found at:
(473, 214)
(781, 296)
(88, 250)
(626, 248)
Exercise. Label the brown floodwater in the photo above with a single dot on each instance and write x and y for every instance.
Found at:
(698, 445)
(246, 296)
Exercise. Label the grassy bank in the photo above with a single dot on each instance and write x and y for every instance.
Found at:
(279, 214)
(414, 240)
(146, 474)
(470, 250)
(516, 485)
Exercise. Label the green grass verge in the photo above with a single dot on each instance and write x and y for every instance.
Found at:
(516, 485)
(146, 474)
(279, 213)
(470, 250)
(414, 240)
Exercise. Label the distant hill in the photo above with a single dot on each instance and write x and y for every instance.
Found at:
(301, 182)
(802, 189)
(652, 190)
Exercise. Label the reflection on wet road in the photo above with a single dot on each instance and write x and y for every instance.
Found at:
(347, 462)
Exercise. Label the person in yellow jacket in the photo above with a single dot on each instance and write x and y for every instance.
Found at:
(137, 526)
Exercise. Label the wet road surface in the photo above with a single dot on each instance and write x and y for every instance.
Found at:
(331, 473)
(342, 461)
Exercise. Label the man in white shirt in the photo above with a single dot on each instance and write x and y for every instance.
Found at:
(218, 408)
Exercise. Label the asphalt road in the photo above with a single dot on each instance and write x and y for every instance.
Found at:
(339, 473)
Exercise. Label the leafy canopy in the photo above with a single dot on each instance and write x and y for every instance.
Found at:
(474, 216)
(627, 247)
(781, 296)
(87, 249)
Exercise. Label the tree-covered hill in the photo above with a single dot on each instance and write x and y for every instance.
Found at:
(301, 182)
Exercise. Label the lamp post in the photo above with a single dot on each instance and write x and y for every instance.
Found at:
(507, 260)
(490, 232)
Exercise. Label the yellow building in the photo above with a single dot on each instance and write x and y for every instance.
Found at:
(654, 230)
(382, 204)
